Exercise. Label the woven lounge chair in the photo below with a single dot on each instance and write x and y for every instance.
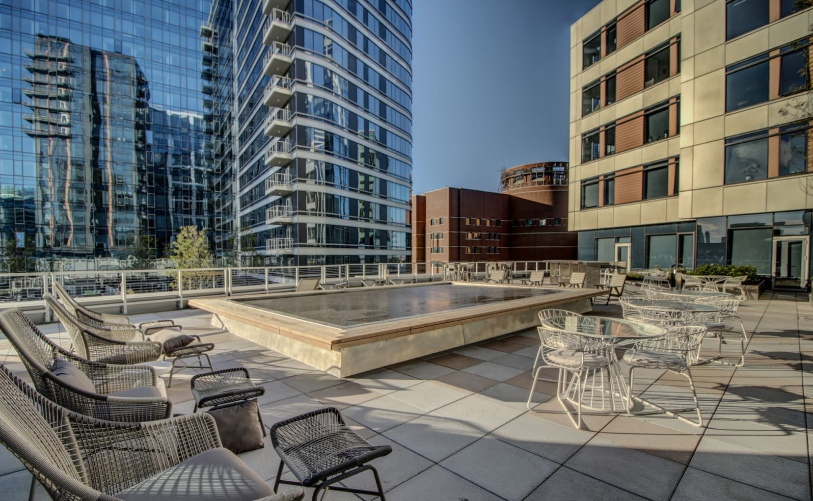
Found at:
(106, 345)
(107, 320)
(75, 457)
(111, 392)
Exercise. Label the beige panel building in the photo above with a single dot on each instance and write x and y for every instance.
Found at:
(689, 135)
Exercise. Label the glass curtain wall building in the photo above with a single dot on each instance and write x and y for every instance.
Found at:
(323, 130)
(101, 128)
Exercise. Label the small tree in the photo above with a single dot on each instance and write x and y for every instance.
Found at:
(20, 259)
(191, 250)
(144, 252)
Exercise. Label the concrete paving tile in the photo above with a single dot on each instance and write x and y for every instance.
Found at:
(643, 474)
(546, 383)
(477, 412)
(569, 484)
(422, 369)
(344, 395)
(501, 468)
(277, 390)
(264, 462)
(16, 486)
(393, 469)
(785, 441)
(503, 345)
(543, 438)
(312, 381)
(698, 485)
(515, 361)
(385, 381)
(383, 413)
(644, 436)
(433, 437)
(479, 353)
(288, 408)
(429, 395)
(776, 474)
(551, 410)
(463, 381)
(439, 484)
(455, 361)
(528, 351)
(362, 430)
(494, 371)
(9, 463)
(512, 396)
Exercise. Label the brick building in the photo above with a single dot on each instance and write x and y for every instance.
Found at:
(526, 221)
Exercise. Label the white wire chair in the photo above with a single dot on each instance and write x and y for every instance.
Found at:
(630, 306)
(575, 355)
(675, 352)
(544, 315)
(725, 322)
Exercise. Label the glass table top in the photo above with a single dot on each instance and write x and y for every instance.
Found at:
(684, 306)
(603, 327)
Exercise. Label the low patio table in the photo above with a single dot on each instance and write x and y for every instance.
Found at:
(615, 332)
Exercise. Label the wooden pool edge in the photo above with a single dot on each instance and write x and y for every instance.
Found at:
(348, 351)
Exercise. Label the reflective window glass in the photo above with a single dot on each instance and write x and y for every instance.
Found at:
(609, 190)
(743, 16)
(656, 182)
(657, 11)
(590, 146)
(747, 86)
(793, 72)
(746, 158)
(657, 125)
(590, 195)
(752, 247)
(591, 51)
(793, 152)
(612, 39)
(657, 67)
(711, 240)
(609, 140)
(661, 251)
(789, 7)
(686, 251)
(610, 90)
(591, 99)
(605, 249)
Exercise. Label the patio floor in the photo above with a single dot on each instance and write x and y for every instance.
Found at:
(459, 428)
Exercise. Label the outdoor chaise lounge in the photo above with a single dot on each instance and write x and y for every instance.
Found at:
(112, 392)
(75, 457)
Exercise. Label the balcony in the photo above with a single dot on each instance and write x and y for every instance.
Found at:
(279, 122)
(279, 214)
(52, 55)
(47, 91)
(279, 184)
(279, 154)
(277, 27)
(50, 131)
(207, 89)
(206, 31)
(278, 92)
(48, 67)
(280, 245)
(277, 59)
(270, 5)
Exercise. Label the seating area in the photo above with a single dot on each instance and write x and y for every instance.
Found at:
(458, 425)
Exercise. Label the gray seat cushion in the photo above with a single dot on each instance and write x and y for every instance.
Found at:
(171, 339)
(71, 375)
(216, 474)
(654, 359)
(140, 392)
(570, 358)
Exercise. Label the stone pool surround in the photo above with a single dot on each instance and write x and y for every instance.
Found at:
(346, 351)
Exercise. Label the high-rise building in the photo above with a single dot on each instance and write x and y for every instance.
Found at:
(322, 129)
(689, 135)
(101, 127)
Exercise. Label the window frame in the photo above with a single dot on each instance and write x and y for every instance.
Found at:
(653, 110)
(795, 129)
(594, 36)
(592, 85)
(667, 47)
(607, 128)
(728, 17)
(609, 190)
(589, 183)
(590, 133)
(761, 135)
(648, 25)
(653, 167)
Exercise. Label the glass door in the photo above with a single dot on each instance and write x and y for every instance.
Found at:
(790, 266)
(622, 254)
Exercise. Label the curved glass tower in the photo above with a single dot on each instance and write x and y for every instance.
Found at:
(323, 130)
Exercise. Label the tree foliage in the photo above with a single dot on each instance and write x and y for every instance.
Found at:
(20, 259)
(191, 249)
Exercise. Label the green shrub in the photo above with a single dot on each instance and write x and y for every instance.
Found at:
(634, 276)
(730, 270)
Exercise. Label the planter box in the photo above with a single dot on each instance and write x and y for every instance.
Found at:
(754, 291)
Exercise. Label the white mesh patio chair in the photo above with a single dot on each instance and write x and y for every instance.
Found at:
(674, 352)
(79, 458)
(724, 323)
(632, 306)
(104, 391)
(543, 314)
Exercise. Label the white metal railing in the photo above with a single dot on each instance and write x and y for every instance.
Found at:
(283, 243)
(276, 49)
(277, 82)
(282, 114)
(278, 179)
(277, 16)
(278, 211)
(277, 148)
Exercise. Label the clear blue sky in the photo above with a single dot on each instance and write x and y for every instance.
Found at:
(490, 87)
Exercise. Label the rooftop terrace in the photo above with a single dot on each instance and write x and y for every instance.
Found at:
(459, 429)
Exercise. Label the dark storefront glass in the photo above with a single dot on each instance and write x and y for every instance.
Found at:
(661, 251)
(711, 240)
(752, 247)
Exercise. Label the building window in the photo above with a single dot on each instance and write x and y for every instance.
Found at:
(656, 123)
(743, 16)
(590, 194)
(657, 66)
(661, 251)
(793, 70)
(591, 98)
(592, 50)
(610, 90)
(686, 251)
(747, 83)
(657, 11)
(789, 7)
(792, 150)
(472, 250)
(609, 140)
(612, 38)
(746, 158)
(656, 181)
(590, 146)
(752, 246)
(609, 190)
(605, 249)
